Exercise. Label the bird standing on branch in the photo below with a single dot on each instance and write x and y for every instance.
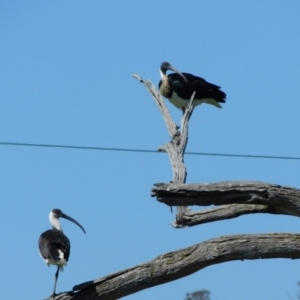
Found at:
(178, 88)
(54, 246)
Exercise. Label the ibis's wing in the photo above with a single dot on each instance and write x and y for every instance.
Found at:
(51, 241)
(203, 89)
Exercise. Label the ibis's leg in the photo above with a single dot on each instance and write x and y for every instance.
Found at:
(56, 276)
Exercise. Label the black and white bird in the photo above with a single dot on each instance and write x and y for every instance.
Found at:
(178, 88)
(54, 246)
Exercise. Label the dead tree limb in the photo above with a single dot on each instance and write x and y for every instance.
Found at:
(174, 265)
(176, 147)
(171, 126)
(235, 197)
(223, 212)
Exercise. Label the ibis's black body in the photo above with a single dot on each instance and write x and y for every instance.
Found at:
(54, 245)
(178, 88)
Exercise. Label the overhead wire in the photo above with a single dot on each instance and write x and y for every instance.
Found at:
(145, 151)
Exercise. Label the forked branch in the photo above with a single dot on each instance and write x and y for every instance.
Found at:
(171, 126)
(176, 147)
(233, 198)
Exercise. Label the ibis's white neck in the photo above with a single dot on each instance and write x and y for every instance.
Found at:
(54, 221)
(162, 75)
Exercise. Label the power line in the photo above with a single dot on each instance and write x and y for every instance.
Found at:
(145, 151)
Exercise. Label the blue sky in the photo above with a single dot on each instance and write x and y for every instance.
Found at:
(66, 71)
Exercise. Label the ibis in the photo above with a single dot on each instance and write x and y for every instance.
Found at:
(54, 245)
(179, 87)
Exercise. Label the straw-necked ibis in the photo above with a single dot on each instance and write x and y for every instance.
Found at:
(178, 88)
(54, 246)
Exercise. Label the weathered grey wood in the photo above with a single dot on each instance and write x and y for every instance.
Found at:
(223, 212)
(174, 265)
(176, 147)
(276, 199)
(171, 126)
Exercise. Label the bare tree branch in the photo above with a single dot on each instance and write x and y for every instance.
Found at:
(176, 147)
(236, 197)
(220, 193)
(185, 123)
(171, 126)
(224, 212)
(181, 263)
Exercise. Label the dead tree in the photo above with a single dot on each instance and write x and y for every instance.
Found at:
(231, 199)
